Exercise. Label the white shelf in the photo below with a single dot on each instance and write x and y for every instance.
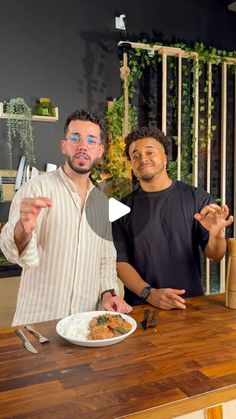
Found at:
(55, 118)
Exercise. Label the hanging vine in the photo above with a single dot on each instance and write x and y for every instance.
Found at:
(139, 61)
(114, 163)
(19, 127)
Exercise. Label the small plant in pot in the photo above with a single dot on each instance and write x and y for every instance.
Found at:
(19, 127)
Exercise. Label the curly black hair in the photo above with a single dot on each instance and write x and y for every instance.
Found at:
(83, 115)
(146, 132)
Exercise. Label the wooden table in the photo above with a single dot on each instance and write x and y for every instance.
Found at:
(186, 363)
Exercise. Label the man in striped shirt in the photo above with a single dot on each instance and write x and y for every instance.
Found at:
(67, 266)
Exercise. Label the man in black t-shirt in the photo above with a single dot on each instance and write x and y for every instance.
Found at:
(158, 242)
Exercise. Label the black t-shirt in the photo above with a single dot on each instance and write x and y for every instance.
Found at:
(160, 238)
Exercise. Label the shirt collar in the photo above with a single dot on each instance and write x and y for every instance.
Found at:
(69, 182)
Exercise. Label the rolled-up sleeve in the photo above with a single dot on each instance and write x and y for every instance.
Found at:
(29, 257)
(108, 273)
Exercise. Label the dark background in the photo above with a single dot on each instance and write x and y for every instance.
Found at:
(68, 51)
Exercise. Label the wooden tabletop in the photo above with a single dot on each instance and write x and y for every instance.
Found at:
(188, 361)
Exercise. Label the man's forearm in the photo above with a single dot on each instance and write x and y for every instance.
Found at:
(20, 237)
(216, 248)
(130, 278)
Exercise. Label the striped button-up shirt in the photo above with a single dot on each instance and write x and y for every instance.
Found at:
(66, 264)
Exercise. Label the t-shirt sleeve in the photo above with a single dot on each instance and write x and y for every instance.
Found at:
(121, 241)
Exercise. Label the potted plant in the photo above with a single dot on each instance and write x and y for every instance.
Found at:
(114, 169)
(19, 126)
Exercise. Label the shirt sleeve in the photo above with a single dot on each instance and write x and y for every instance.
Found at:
(29, 256)
(108, 272)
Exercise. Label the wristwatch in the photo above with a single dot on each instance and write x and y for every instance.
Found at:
(145, 293)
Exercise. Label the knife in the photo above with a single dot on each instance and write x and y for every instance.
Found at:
(34, 172)
(153, 322)
(26, 341)
(20, 173)
(144, 322)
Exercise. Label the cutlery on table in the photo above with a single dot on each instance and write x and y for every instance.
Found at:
(42, 338)
(144, 322)
(153, 322)
(27, 344)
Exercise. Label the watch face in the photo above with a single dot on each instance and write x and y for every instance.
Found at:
(145, 293)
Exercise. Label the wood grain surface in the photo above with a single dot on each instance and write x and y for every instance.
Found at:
(186, 363)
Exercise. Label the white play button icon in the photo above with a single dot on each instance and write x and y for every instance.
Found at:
(104, 205)
(117, 209)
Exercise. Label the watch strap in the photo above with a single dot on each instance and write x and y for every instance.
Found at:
(146, 292)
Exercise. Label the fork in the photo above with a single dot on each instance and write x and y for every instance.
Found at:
(42, 338)
(153, 322)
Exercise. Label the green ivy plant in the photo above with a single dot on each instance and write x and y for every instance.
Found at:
(114, 163)
(19, 127)
(139, 60)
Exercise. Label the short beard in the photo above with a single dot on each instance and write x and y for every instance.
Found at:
(148, 177)
(81, 170)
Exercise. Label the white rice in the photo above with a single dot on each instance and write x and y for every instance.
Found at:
(76, 328)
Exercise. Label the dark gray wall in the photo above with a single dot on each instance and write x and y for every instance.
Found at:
(67, 51)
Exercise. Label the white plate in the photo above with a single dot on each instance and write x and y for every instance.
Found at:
(68, 328)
